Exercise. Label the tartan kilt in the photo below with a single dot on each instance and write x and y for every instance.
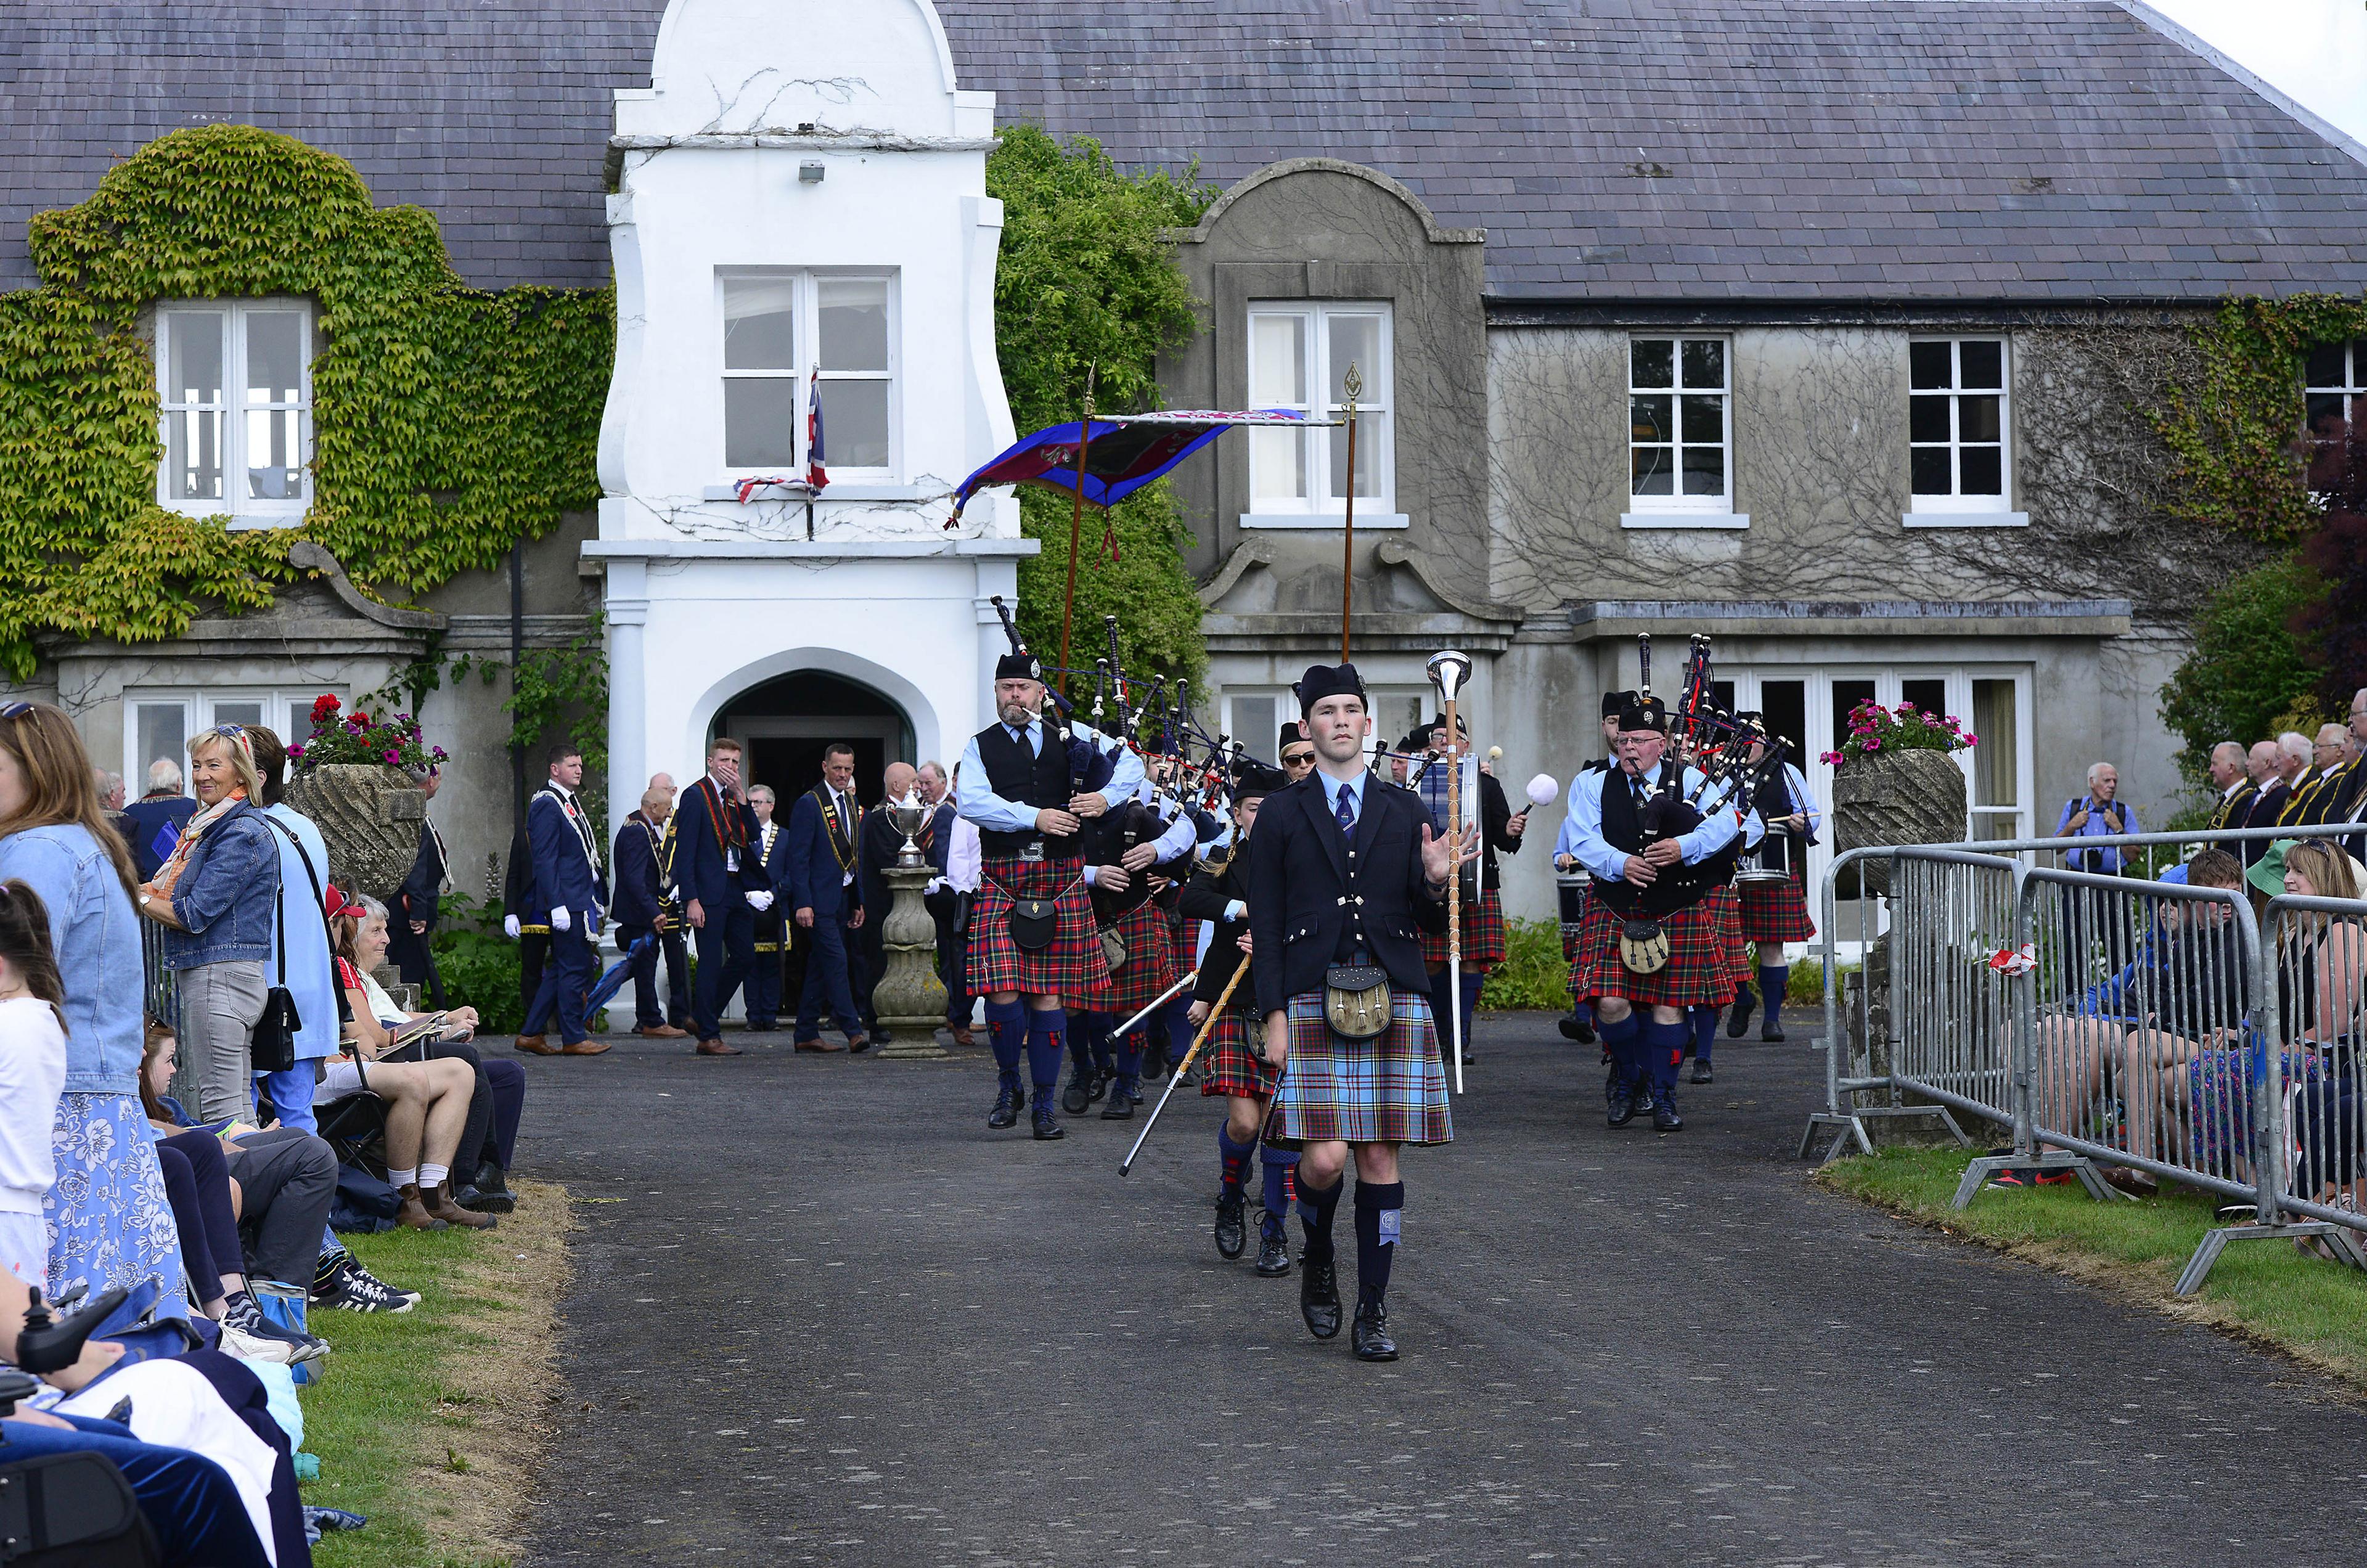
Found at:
(1729, 910)
(1776, 911)
(1149, 967)
(1387, 1089)
(1483, 933)
(1070, 966)
(1231, 1069)
(1697, 971)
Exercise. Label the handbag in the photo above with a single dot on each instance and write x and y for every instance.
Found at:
(1357, 999)
(272, 1044)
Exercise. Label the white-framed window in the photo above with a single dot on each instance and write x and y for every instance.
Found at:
(2334, 381)
(1958, 455)
(784, 332)
(1299, 356)
(1680, 426)
(234, 386)
(158, 724)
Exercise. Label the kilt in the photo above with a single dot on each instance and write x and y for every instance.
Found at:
(1729, 910)
(1387, 1089)
(1696, 972)
(1231, 1069)
(1776, 911)
(1483, 933)
(1070, 966)
(1149, 967)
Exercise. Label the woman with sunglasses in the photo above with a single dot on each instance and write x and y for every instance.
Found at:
(110, 1223)
(217, 898)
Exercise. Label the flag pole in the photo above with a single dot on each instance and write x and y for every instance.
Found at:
(1352, 384)
(1076, 526)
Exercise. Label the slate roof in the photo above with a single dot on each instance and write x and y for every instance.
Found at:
(1612, 149)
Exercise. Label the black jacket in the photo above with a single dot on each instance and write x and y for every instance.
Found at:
(1308, 909)
(417, 898)
(634, 854)
(1204, 899)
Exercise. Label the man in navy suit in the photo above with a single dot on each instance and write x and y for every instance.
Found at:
(722, 887)
(772, 850)
(943, 900)
(641, 911)
(825, 827)
(566, 883)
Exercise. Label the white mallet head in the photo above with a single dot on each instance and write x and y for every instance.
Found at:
(1543, 790)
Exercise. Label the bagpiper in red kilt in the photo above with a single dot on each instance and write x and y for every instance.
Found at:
(1483, 933)
(1776, 912)
(1232, 1070)
(1696, 972)
(1070, 966)
(1150, 967)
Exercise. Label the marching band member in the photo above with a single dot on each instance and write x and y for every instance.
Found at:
(1501, 831)
(1579, 1025)
(1776, 912)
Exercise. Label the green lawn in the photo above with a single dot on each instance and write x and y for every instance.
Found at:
(429, 1421)
(2264, 1290)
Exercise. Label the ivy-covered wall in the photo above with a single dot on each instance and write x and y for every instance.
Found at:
(449, 421)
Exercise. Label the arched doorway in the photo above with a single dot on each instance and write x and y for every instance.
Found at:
(784, 724)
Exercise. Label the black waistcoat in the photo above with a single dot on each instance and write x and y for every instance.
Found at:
(1039, 780)
(1623, 828)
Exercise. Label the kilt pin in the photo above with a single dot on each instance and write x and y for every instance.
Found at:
(1699, 969)
(1070, 966)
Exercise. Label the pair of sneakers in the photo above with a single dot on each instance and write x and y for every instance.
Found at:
(348, 1287)
(250, 1334)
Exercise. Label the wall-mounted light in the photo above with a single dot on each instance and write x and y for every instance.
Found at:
(809, 174)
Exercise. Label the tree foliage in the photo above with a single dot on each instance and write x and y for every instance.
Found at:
(2246, 676)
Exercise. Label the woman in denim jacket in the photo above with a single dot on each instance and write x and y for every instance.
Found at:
(216, 898)
(109, 1221)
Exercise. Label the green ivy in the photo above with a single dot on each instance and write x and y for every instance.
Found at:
(449, 421)
(563, 692)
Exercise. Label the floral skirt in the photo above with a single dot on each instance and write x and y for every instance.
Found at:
(2221, 1087)
(110, 1223)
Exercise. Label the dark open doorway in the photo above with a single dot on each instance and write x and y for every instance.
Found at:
(785, 723)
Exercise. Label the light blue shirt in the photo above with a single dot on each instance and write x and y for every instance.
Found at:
(312, 978)
(2107, 860)
(1598, 855)
(1331, 788)
(994, 814)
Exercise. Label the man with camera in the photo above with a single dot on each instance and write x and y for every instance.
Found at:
(2090, 915)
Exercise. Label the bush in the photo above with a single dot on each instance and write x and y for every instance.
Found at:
(1533, 975)
(2246, 672)
(479, 965)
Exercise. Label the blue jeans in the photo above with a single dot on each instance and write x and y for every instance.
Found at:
(189, 1500)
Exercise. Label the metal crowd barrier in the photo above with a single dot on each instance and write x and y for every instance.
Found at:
(2110, 1021)
(160, 989)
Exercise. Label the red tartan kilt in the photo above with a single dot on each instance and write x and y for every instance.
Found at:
(1776, 911)
(1231, 1069)
(1483, 933)
(1697, 970)
(1150, 967)
(1070, 966)
(1729, 910)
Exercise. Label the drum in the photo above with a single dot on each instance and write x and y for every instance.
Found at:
(1572, 887)
(1770, 860)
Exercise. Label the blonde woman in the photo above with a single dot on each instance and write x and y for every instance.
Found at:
(216, 897)
(2326, 1002)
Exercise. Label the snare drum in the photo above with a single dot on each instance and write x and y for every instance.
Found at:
(1770, 860)
(1572, 888)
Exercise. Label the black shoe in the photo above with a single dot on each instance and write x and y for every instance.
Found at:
(1573, 1028)
(1772, 1031)
(1319, 1299)
(1623, 1104)
(1273, 1254)
(1076, 1097)
(880, 1037)
(1468, 1059)
(1701, 1069)
(1664, 1114)
(1007, 1106)
(1371, 1338)
(1232, 1235)
(1737, 1022)
(1099, 1086)
(1122, 1101)
(1047, 1126)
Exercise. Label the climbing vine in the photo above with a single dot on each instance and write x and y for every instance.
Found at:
(449, 421)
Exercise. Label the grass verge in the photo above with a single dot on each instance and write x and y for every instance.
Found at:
(431, 1421)
(2262, 1291)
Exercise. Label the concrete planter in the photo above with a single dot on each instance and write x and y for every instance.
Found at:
(1897, 798)
(369, 815)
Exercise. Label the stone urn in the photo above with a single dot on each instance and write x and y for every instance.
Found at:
(910, 998)
(1897, 798)
(370, 816)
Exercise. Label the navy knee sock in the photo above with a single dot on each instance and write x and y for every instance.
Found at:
(1772, 978)
(1080, 1043)
(1620, 1039)
(1315, 1211)
(1125, 1054)
(1097, 1037)
(1663, 1047)
(1177, 1017)
(1378, 1206)
(1045, 1028)
(1006, 1030)
(1471, 984)
(1704, 1020)
(1234, 1155)
(1279, 1165)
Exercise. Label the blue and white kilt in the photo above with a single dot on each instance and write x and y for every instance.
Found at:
(108, 1219)
(1387, 1089)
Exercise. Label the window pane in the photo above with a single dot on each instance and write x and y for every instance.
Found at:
(1928, 366)
(2325, 366)
(2324, 414)
(1932, 476)
(853, 322)
(1847, 694)
(1929, 696)
(299, 721)
(1995, 773)
(1983, 364)
(193, 455)
(240, 711)
(1705, 419)
(2358, 361)
(854, 423)
(1356, 340)
(1652, 472)
(760, 423)
(1977, 419)
(193, 356)
(1648, 419)
(1653, 361)
(162, 731)
(1705, 362)
(1983, 469)
(1255, 726)
(1278, 464)
(1784, 705)
(275, 469)
(275, 356)
(1369, 449)
(759, 324)
(1278, 361)
(1927, 419)
(1704, 470)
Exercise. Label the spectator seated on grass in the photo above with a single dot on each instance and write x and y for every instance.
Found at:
(2182, 994)
(427, 1103)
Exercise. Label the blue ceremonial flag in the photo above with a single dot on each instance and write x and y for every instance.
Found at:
(1126, 452)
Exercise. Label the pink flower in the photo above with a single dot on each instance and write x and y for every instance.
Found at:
(1972, 740)
(1829, 758)
(1874, 745)
(395, 756)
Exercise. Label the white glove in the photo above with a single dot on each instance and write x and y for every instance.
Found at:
(561, 919)
(760, 901)
(510, 927)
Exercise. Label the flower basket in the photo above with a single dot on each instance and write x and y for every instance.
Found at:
(368, 815)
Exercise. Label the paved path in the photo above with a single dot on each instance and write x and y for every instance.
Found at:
(824, 1316)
